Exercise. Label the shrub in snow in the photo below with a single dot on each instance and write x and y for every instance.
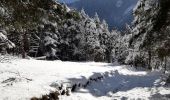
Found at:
(45, 97)
(54, 95)
(34, 98)
(68, 91)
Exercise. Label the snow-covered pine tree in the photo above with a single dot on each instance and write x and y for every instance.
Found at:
(149, 34)
(145, 13)
(96, 18)
(5, 43)
(105, 41)
(83, 13)
(50, 29)
(22, 18)
(91, 40)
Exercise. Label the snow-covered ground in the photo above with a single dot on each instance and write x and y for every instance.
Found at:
(21, 79)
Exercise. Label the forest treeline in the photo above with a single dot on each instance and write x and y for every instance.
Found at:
(39, 28)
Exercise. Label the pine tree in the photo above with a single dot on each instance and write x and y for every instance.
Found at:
(83, 13)
(5, 43)
(47, 28)
(96, 18)
(149, 34)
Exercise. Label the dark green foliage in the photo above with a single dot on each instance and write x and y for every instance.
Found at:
(162, 18)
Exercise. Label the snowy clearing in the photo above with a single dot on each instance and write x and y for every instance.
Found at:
(22, 79)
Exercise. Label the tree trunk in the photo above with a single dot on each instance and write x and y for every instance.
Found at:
(109, 56)
(22, 49)
(165, 61)
(149, 60)
(22, 46)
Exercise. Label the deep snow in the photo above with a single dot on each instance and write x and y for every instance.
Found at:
(21, 79)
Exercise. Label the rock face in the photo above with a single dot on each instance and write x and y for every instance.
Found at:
(116, 12)
(47, 28)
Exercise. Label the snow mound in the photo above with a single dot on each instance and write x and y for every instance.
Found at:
(23, 79)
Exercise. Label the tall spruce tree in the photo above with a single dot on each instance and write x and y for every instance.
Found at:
(149, 34)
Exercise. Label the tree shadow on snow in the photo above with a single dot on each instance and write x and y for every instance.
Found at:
(114, 82)
(159, 96)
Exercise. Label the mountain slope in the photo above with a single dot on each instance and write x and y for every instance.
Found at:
(115, 12)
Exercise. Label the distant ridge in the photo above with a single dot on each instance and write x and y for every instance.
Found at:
(67, 1)
(116, 12)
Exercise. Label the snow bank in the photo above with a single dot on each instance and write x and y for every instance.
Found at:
(23, 79)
